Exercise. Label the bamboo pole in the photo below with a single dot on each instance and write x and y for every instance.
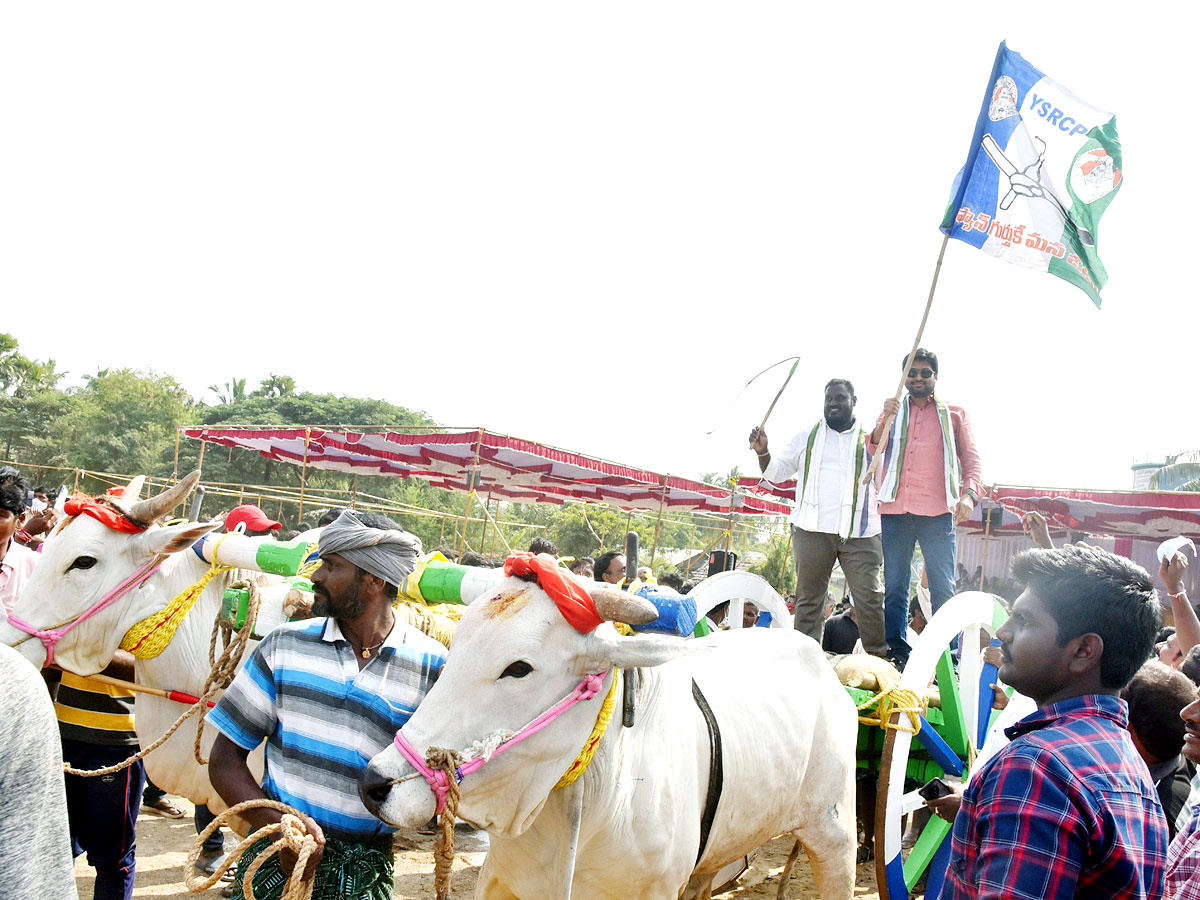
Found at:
(987, 529)
(887, 422)
(495, 531)
(175, 465)
(303, 474)
(471, 475)
(483, 530)
(495, 527)
(729, 529)
(75, 489)
(354, 491)
(662, 501)
(177, 696)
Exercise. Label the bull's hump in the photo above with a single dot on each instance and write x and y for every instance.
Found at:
(507, 603)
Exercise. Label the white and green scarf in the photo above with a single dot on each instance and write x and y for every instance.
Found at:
(856, 497)
(893, 456)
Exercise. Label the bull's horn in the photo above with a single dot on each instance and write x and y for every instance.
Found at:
(616, 606)
(133, 490)
(150, 510)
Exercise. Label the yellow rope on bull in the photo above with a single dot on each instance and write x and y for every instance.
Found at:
(149, 637)
(584, 759)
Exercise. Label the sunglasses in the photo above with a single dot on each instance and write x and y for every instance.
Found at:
(920, 373)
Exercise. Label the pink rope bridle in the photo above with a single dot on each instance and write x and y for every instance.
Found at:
(51, 636)
(438, 780)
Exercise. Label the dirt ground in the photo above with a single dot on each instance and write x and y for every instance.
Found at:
(163, 844)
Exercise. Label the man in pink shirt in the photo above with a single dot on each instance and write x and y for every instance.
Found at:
(930, 481)
(16, 562)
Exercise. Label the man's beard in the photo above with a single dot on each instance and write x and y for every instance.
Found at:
(350, 605)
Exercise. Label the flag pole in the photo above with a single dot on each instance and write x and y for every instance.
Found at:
(887, 422)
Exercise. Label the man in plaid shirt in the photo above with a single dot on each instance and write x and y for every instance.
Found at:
(1183, 859)
(1067, 809)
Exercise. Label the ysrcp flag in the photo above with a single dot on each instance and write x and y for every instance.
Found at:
(1043, 167)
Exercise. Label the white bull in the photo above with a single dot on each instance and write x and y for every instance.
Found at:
(81, 562)
(787, 732)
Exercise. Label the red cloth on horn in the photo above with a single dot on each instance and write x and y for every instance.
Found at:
(572, 599)
(82, 504)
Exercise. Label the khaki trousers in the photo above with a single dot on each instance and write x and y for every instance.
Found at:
(862, 564)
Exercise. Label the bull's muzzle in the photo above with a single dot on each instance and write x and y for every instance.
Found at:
(374, 788)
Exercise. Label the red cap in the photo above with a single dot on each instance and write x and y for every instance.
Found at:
(252, 517)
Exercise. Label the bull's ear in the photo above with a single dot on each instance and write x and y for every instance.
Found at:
(173, 538)
(606, 649)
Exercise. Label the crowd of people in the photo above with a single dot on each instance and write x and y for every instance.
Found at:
(1086, 787)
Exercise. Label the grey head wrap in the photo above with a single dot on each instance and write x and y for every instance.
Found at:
(390, 555)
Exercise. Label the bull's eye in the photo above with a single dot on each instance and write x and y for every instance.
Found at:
(519, 669)
(82, 562)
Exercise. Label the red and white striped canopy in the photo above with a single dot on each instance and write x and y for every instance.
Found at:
(1139, 515)
(507, 467)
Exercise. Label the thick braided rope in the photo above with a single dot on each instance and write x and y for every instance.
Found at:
(219, 678)
(223, 668)
(894, 700)
(149, 637)
(145, 751)
(292, 835)
(443, 853)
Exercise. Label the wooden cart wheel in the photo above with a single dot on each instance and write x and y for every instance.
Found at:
(946, 744)
(738, 588)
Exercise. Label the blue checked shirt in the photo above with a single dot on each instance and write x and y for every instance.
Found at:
(322, 718)
(1065, 810)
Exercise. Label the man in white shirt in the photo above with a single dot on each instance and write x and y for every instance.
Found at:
(836, 516)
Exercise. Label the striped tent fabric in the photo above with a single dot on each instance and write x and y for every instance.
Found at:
(510, 468)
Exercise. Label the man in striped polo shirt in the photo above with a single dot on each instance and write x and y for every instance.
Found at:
(327, 694)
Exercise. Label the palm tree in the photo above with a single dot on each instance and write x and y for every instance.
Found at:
(1180, 473)
(276, 386)
(233, 391)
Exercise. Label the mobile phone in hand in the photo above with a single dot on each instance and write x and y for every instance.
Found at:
(934, 788)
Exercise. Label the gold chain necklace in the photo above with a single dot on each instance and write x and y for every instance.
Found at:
(366, 651)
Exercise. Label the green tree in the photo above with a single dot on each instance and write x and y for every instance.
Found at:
(120, 420)
(777, 568)
(275, 386)
(1181, 473)
(233, 391)
(581, 530)
(29, 397)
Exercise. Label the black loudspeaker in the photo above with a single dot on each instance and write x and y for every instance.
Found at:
(720, 561)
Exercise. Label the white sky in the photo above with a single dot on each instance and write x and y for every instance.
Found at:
(590, 225)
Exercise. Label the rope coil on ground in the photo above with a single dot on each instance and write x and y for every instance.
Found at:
(292, 836)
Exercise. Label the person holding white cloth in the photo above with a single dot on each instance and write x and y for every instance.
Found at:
(836, 516)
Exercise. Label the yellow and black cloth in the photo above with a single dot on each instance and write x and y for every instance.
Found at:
(94, 713)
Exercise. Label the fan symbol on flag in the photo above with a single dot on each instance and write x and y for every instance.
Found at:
(1027, 182)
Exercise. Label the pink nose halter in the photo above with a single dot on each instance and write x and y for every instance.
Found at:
(51, 636)
(439, 782)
